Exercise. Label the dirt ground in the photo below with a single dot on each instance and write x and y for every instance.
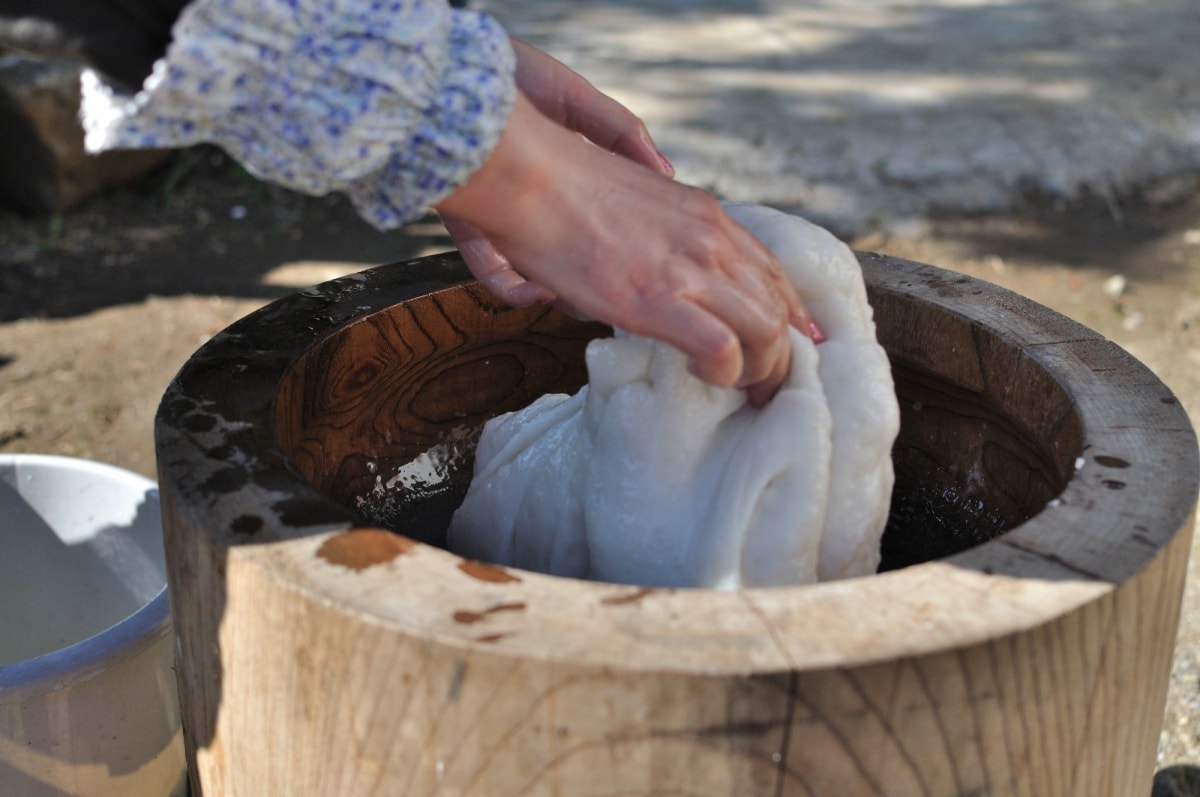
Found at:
(100, 306)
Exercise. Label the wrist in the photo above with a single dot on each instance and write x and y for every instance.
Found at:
(516, 177)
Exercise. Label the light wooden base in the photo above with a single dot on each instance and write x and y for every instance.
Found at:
(321, 655)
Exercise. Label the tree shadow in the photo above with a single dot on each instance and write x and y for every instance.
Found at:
(857, 118)
(854, 119)
(199, 225)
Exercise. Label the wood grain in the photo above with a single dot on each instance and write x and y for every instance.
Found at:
(1022, 648)
(395, 385)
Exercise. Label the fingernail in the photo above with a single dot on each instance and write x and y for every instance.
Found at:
(815, 332)
(666, 164)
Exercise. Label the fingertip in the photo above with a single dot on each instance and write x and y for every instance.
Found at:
(761, 394)
(719, 363)
(802, 320)
(665, 165)
(714, 372)
(528, 294)
(647, 152)
(713, 350)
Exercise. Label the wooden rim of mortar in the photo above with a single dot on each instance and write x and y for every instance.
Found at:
(220, 465)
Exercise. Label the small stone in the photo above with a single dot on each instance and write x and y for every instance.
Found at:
(1115, 285)
(1189, 313)
(1192, 237)
(1132, 321)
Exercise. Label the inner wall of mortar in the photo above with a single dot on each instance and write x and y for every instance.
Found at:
(970, 463)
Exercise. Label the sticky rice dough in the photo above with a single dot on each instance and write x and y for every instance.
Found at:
(649, 476)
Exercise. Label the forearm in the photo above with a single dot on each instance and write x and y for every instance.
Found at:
(518, 178)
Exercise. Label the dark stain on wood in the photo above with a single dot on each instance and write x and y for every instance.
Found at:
(359, 549)
(467, 618)
(199, 423)
(1110, 462)
(1140, 536)
(456, 681)
(222, 453)
(485, 572)
(303, 511)
(226, 480)
(246, 524)
(628, 597)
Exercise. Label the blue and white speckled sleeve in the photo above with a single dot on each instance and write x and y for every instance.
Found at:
(394, 102)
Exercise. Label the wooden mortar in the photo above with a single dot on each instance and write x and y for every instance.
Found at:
(1046, 483)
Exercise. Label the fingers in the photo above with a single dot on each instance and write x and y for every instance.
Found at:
(773, 353)
(567, 98)
(732, 324)
(493, 269)
(758, 302)
(627, 246)
(759, 393)
(713, 350)
(727, 349)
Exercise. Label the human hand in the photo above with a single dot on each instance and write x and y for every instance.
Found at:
(626, 245)
(566, 97)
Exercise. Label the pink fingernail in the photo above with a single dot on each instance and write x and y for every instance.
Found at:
(666, 164)
(815, 332)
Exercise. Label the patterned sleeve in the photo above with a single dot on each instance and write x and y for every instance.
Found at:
(393, 102)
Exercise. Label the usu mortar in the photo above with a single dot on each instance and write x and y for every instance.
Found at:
(1019, 644)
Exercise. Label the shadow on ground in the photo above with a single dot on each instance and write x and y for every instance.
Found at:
(199, 226)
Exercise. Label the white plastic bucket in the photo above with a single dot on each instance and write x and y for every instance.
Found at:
(88, 702)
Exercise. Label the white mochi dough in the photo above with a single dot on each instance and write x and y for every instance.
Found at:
(649, 476)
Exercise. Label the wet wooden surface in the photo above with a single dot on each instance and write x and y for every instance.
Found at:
(396, 385)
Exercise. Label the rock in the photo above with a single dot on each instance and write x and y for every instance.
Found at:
(43, 165)
(1115, 285)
